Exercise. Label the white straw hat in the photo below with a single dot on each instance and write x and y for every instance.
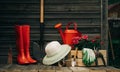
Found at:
(55, 52)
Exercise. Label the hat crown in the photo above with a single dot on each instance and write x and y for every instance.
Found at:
(52, 48)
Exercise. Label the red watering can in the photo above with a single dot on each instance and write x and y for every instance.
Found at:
(68, 33)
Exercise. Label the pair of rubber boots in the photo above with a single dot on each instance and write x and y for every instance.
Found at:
(23, 44)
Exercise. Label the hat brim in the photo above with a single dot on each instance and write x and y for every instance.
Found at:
(65, 49)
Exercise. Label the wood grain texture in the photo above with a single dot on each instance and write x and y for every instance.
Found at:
(42, 68)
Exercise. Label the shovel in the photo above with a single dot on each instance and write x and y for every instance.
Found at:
(42, 27)
(38, 48)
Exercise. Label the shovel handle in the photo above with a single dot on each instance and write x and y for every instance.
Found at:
(75, 25)
(41, 11)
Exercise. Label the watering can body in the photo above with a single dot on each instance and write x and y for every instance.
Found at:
(68, 34)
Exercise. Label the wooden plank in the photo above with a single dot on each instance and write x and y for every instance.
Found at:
(43, 68)
(3, 68)
(79, 54)
(66, 69)
(83, 69)
(79, 69)
(66, 8)
(80, 63)
(97, 69)
(31, 68)
(64, 16)
(62, 69)
(70, 1)
(19, 2)
(17, 68)
(13, 68)
(74, 69)
(104, 52)
(1, 65)
(58, 69)
(3, 58)
(111, 69)
(40, 67)
(100, 62)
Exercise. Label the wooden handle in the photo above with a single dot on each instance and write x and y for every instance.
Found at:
(76, 52)
(113, 55)
(41, 11)
(10, 56)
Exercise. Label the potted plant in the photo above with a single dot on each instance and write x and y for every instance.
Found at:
(86, 48)
(84, 42)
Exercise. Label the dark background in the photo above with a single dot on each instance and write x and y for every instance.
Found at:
(89, 15)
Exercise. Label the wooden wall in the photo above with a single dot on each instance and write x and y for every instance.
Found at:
(90, 15)
(13, 12)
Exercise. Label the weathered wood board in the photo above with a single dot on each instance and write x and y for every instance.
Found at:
(43, 68)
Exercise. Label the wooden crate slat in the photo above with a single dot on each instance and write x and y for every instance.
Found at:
(79, 55)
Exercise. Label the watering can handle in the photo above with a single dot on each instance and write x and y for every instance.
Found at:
(75, 25)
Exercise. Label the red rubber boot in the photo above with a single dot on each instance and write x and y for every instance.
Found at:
(21, 59)
(26, 42)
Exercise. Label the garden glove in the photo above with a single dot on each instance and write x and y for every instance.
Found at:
(88, 56)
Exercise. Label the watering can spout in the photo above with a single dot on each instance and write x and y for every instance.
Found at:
(58, 26)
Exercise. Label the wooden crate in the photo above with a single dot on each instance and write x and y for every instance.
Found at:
(100, 63)
(79, 54)
(79, 58)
